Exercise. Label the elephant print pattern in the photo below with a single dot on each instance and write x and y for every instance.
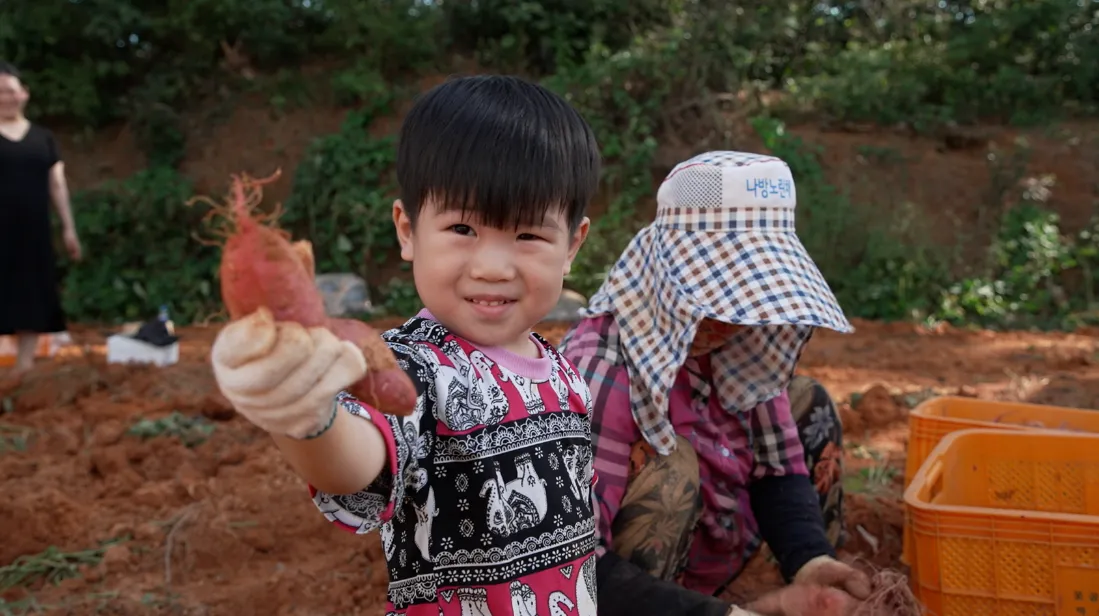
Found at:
(520, 503)
(485, 507)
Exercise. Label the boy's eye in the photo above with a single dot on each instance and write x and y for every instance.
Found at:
(462, 229)
(528, 237)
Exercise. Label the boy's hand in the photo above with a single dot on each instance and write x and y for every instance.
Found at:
(827, 571)
(281, 376)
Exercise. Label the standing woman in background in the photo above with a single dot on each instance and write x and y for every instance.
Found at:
(32, 176)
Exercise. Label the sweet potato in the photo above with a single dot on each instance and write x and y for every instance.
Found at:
(261, 267)
(385, 381)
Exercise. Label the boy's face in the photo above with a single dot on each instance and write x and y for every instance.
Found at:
(711, 336)
(488, 285)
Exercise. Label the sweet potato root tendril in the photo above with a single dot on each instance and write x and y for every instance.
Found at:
(890, 594)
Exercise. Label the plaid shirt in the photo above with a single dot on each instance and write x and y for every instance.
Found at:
(734, 447)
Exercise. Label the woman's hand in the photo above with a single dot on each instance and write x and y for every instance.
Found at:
(72, 244)
(803, 600)
(827, 571)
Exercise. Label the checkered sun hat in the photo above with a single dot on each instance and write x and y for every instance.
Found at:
(723, 246)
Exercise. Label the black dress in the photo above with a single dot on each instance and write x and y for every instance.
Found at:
(29, 298)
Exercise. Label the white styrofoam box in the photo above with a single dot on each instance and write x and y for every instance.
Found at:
(126, 350)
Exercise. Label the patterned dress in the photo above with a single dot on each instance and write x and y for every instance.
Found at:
(486, 505)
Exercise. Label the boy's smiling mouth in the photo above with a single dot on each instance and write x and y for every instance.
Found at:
(490, 300)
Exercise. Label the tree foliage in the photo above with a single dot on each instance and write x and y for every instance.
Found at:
(645, 72)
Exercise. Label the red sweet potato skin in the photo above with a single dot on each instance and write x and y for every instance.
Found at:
(377, 353)
(385, 387)
(389, 391)
(260, 267)
(280, 281)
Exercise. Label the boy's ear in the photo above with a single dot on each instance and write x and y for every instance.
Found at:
(576, 242)
(404, 229)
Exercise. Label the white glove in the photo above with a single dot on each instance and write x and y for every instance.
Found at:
(738, 611)
(281, 376)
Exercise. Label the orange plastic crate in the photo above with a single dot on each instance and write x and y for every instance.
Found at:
(934, 418)
(1007, 523)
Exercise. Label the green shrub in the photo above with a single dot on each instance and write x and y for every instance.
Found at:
(141, 251)
(343, 195)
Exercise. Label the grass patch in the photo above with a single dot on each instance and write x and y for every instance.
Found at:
(191, 431)
(872, 480)
(91, 603)
(14, 438)
(51, 566)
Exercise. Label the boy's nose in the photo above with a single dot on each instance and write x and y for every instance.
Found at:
(491, 263)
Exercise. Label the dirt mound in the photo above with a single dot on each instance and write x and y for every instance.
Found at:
(875, 408)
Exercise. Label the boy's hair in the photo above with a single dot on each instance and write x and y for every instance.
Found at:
(7, 68)
(499, 148)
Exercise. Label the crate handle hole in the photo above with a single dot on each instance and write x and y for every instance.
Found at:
(934, 480)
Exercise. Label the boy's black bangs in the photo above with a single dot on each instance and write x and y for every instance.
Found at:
(7, 68)
(502, 151)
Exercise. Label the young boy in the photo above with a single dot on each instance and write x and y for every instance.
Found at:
(483, 495)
